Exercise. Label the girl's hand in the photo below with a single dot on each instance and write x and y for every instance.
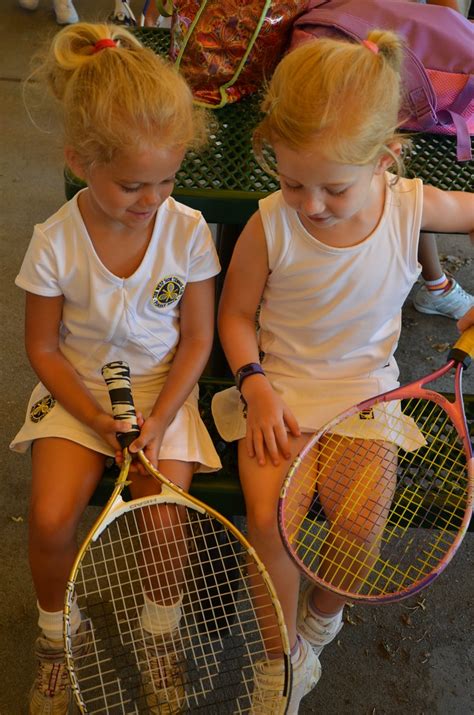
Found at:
(149, 440)
(466, 321)
(107, 427)
(268, 422)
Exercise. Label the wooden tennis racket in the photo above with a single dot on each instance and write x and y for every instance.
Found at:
(378, 501)
(210, 646)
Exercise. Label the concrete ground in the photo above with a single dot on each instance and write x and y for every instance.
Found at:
(415, 658)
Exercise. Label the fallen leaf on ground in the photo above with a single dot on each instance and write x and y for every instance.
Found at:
(441, 347)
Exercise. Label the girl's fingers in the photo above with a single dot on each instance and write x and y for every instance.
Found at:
(292, 424)
(122, 426)
(249, 443)
(272, 447)
(466, 321)
(259, 447)
(282, 441)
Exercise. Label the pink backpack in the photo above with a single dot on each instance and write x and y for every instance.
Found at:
(439, 65)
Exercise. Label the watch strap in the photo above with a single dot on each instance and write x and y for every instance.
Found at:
(252, 368)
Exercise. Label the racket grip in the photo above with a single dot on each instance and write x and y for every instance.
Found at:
(463, 350)
(117, 378)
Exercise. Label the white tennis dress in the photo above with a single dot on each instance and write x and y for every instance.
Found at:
(330, 317)
(109, 318)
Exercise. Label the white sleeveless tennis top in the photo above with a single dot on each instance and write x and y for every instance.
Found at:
(330, 317)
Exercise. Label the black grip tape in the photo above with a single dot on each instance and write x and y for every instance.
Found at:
(117, 378)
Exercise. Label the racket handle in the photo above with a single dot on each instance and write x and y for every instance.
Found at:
(463, 349)
(117, 378)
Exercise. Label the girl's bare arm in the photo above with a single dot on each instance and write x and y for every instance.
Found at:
(42, 322)
(268, 418)
(448, 211)
(192, 353)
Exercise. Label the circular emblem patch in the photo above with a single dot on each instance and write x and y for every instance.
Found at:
(168, 291)
(41, 408)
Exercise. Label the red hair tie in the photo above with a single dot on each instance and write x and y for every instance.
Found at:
(371, 46)
(102, 44)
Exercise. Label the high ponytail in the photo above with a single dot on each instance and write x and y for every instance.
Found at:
(344, 97)
(115, 94)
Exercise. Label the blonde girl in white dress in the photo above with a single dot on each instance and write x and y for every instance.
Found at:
(327, 262)
(120, 272)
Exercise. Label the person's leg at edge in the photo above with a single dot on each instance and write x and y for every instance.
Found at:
(440, 294)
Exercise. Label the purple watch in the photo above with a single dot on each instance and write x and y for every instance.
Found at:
(252, 368)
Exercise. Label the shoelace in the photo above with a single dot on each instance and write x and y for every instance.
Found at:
(52, 678)
(166, 672)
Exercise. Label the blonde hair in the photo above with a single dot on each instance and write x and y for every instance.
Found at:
(343, 96)
(117, 97)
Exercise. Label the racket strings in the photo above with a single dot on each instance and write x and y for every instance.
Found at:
(352, 504)
(210, 658)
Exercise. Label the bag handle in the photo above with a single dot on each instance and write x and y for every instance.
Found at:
(223, 87)
(165, 8)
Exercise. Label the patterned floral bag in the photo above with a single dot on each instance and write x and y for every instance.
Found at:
(227, 48)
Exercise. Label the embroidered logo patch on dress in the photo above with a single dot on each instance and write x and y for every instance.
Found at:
(168, 291)
(41, 408)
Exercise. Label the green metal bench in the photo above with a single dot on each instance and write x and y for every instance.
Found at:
(225, 183)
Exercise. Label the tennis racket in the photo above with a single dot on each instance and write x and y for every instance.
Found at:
(178, 613)
(376, 504)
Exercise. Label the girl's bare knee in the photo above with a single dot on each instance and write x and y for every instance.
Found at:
(49, 526)
(262, 523)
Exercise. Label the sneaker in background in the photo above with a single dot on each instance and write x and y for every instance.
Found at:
(65, 12)
(318, 631)
(28, 4)
(453, 303)
(124, 16)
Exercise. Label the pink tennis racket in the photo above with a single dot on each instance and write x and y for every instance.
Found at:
(378, 501)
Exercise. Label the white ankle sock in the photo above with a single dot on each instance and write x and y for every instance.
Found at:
(295, 651)
(158, 619)
(438, 286)
(323, 618)
(51, 622)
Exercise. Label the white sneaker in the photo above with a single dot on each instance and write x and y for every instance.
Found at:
(163, 675)
(28, 4)
(51, 692)
(124, 17)
(65, 12)
(268, 686)
(318, 631)
(454, 303)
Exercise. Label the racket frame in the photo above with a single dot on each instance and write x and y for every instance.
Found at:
(455, 411)
(170, 494)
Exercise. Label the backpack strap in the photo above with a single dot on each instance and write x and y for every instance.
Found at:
(463, 150)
